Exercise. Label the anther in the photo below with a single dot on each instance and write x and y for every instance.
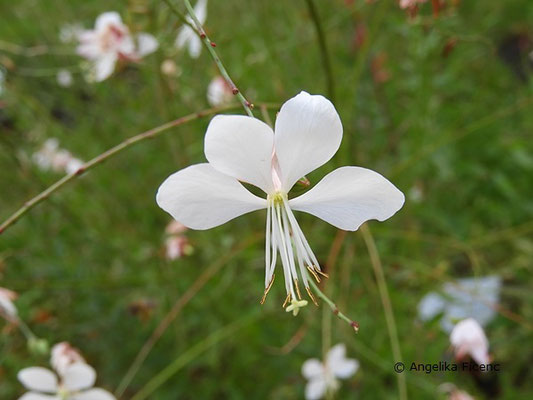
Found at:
(297, 289)
(311, 295)
(312, 271)
(317, 269)
(286, 300)
(267, 289)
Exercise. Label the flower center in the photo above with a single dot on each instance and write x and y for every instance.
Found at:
(63, 393)
(284, 237)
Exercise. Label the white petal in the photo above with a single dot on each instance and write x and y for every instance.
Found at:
(38, 396)
(94, 394)
(241, 147)
(336, 354)
(345, 368)
(315, 389)
(106, 19)
(312, 368)
(79, 376)
(195, 46)
(104, 66)
(146, 44)
(7, 307)
(308, 133)
(430, 305)
(200, 197)
(89, 46)
(126, 46)
(38, 379)
(468, 337)
(200, 9)
(184, 36)
(349, 196)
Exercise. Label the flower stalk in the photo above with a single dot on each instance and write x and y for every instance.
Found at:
(210, 45)
(45, 194)
(334, 307)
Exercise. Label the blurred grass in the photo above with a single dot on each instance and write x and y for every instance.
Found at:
(458, 127)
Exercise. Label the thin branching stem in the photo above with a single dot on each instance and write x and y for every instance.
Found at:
(106, 155)
(324, 53)
(210, 45)
(387, 305)
(332, 305)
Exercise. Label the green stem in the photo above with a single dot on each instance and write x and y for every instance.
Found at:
(332, 305)
(25, 329)
(193, 352)
(106, 155)
(210, 45)
(196, 286)
(324, 54)
(387, 306)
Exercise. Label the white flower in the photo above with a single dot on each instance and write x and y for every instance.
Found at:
(7, 308)
(468, 338)
(51, 156)
(466, 298)
(111, 40)
(177, 246)
(76, 383)
(187, 37)
(219, 92)
(453, 392)
(322, 377)
(460, 395)
(64, 78)
(308, 132)
(63, 355)
(410, 3)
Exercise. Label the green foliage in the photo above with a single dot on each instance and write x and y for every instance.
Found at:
(454, 126)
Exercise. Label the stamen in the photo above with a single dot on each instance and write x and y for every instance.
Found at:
(311, 296)
(287, 299)
(320, 272)
(286, 253)
(312, 271)
(268, 246)
(273, 242)
(297, 289)
(267, 289)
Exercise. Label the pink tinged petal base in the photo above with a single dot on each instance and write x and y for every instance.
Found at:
(38, 379)
(308, 133)
(241, 147)
(78, 376)
(350, 196)
(201, 197)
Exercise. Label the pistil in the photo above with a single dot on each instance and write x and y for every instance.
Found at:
(284, 236)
